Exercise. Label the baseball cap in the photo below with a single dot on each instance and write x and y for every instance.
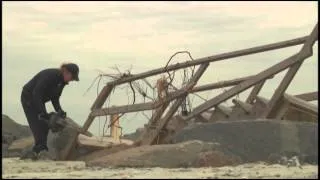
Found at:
(73, 69)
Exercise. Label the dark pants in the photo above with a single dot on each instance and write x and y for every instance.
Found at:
(39, 128)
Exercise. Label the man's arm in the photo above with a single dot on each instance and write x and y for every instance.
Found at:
(56, 104)
(38, 92)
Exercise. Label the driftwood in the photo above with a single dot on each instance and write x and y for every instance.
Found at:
(297, 58)
(219, 57)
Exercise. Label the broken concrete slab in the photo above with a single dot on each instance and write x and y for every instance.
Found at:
(135, 135)
(104, 152)
(256, 140)
(186, 154)
(101, 142)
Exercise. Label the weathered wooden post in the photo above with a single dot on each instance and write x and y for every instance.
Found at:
(114, 127)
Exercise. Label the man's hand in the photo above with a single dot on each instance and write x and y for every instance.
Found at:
(56, 123)
(43, 117)
(62, 114)
(57, 128)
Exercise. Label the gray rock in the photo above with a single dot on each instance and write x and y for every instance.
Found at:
(58, 141)
(256, 140)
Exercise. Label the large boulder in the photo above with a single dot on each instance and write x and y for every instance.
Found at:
(58, 142)
(186, 154)
(259, 139)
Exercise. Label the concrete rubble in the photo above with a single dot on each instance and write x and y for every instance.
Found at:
(197, 145)
(186, 154)
(258, 140)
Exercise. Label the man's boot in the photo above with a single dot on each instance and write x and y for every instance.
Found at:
(29, 154)
(44, 155)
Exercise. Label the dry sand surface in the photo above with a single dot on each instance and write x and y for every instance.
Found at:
(14, 168)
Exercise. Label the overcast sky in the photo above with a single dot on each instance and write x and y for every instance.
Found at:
(100, 35)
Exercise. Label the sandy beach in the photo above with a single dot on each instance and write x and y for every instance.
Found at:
(14, 168)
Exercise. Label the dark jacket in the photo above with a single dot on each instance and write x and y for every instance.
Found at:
(45, 86)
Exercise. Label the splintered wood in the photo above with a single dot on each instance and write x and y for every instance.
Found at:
(152, 134)
(162, 92)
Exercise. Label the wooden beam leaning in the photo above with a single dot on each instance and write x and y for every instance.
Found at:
(162, 89)
(243, 52)
(245, 106)
(250, 82)
(255, 91)
(221, 84)
(305, 52)
(283, 108)
(104, 93)
(153, 134)
(312, 96)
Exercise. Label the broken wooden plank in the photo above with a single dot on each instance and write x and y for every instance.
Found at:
(295, 114)
(305, 52)
(312, 96)
(103, 95)
(124, 109)
(155, 117)
(207, 115)
(248, 83)
(238, 53)
(101, 142)
(259, 106)
(282, 110)
(245, 106)
(273, 105)
(220, 84)
(241, 110)
(262, 99)
(153, 134)
(239, 113)
(218, 116)
(224, 109)
(301, 104)
(217, 85)
(255, 91)
(200, 118)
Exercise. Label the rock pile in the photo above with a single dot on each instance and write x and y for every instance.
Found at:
(12, 131)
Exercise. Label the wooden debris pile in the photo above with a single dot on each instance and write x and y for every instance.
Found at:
(166, 121)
